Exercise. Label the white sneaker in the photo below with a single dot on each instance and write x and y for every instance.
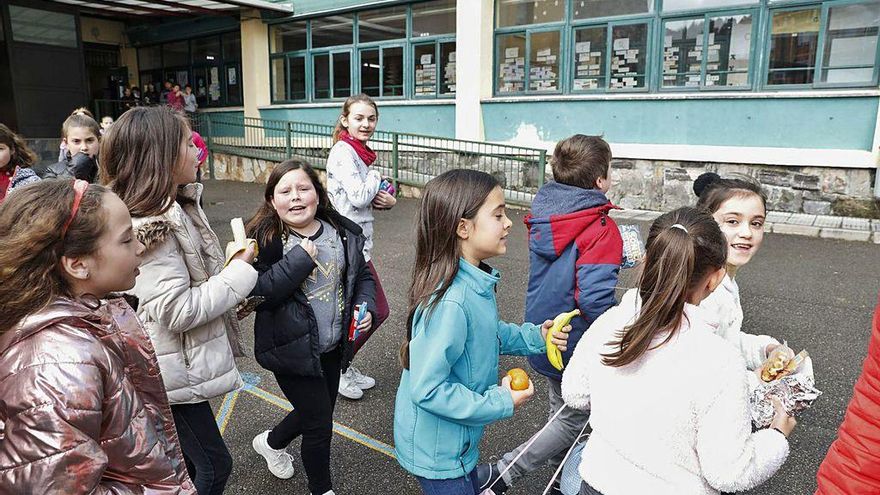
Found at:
(279, 461)
(349, 389)
(354, 375)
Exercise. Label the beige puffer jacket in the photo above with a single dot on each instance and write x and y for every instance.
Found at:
(187, 300)
(84, 407)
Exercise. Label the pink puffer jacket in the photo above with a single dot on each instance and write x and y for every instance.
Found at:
(83, 408)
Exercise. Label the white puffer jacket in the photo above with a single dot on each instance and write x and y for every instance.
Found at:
(187, 300)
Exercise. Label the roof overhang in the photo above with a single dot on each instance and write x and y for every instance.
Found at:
(175, 8)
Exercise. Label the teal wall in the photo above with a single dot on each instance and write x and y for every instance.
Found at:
(306, 7)
(434, 120)
(826, 123)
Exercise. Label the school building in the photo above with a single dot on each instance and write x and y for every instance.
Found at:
(783, 90)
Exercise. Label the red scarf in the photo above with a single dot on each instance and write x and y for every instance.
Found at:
(363, 151)
(6, 181)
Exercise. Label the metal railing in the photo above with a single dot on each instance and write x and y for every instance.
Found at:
(409, 159)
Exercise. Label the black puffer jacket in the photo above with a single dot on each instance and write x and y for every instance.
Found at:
(286, 330)
(78, 166)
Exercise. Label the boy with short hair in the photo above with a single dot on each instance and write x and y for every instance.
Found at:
(575, 251)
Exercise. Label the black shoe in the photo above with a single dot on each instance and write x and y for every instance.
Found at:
(487, 474)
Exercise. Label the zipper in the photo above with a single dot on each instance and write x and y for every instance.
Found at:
(183, 350)
(602, 218)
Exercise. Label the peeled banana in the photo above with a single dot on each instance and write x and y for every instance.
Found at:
(553, 353)
(240, 241)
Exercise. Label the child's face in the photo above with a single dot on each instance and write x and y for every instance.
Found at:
(486, 234)
(114, 267)
(361, 121)
(187, 159)
(106, 122)
(741, 219)
(81, 140)
(5, 156)
(295, 199)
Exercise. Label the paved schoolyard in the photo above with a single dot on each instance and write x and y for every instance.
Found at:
(817, 294)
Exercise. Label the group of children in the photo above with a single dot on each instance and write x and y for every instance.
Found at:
(121, 321)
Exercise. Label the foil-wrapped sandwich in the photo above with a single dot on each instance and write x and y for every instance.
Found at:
(788, 377)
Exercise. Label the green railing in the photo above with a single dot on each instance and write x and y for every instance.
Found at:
(409, 159)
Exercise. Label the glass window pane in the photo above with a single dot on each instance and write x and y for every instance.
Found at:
(447, 61)
(232, 46)
(150, 57)
(42, 27)
(341, 75)
(591, 9)
(512, 68)
(287, 37)
(544, 61)
(392, 71)
(297, 77)
(426, 69)
(176, 53)
(851, 43)
(589, 58)
(381, 25)
(279, 82)
(200, 78)
(206, 50)
(729, 50)
(233, 84)
(628, 56)
(332, 31)
(321, 66)
(671, 5)
(683, 53)
(430, 18)
(370, 71)
(794, 36)
(213, 76)
(518, 12)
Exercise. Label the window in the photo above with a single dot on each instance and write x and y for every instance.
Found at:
(206, 50)
(382, 25)
(512, 70)
(233, 84)
(231, 45)
(297, 77)
(520, 13)
(288, 37)
(371, 72)
(629, 47)
(176, 53)
(382, 71)
(673, 5)
(544, 61)
(431, 70)
(277, 76)
(589, 62)
(42, 27)
(794, 38)
(332, 31)
(591, 9)
(731, 38)
(433, 18)
(341, 75)
(332, 75)
(695, 57)
(851, 43)
(150, 58)
(683, 53)
(447, 64)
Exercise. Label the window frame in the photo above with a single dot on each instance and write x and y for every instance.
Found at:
(312, 93)
(824, 20)
(528, 31)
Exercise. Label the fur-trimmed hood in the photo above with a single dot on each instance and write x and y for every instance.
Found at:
(153, 231)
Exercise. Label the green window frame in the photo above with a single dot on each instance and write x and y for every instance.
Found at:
(328, 63)
(547, 76)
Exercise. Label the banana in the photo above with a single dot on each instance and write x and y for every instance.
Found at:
(553, 353)
(240, 241)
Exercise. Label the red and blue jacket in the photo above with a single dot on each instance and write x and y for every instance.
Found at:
(575, 250)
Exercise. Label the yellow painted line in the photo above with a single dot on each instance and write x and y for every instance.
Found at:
(225, 411)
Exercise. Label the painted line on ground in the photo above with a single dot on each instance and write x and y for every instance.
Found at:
(225, 411)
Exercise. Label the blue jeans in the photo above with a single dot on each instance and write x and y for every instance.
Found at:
(466, 485)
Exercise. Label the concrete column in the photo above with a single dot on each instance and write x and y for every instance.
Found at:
(254, 62)
(474, 22)
(875, 152)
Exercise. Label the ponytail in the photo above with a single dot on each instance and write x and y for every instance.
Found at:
(346, 107)
(683, 247)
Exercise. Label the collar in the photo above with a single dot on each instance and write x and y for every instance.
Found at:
(481, 279)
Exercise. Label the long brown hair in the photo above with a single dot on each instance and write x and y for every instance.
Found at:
(684, 246)
(346, 107)
(714, 191)
(22, 156)
(448, 198)
(139, 155)
(266, 224)
(31, 246)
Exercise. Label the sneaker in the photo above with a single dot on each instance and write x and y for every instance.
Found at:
(487, 474)
(279, 461)
(354, 375)
(349, 390)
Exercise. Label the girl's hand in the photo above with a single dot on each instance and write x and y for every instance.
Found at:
(384, 201)
(781, 419)
(366, 323)
(770, 348)
(310, 248)
(560, 338)
(519, 397)
(247, 255)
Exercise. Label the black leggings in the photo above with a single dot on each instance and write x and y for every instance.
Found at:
(313, 399)
(207, 459)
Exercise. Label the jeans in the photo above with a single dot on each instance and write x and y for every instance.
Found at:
(466, 485)
(588, 490)
(207, 459)
(313, 399)
(553, 443)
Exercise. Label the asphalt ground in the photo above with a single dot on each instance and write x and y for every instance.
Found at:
(816, 294)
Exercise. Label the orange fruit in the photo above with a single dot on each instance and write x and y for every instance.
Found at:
(519, 380)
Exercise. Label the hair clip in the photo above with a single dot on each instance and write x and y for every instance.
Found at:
(79, 188)
(679, 226)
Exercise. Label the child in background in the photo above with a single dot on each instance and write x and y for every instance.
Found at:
(187, 296)
(16, 160)
(355, 189)
(106, 122)
(83, 404)
(174, 98)
(189, 102)
(448, 390)
(668, 399)
(80, 140)
(575, 252)
(312, 276)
